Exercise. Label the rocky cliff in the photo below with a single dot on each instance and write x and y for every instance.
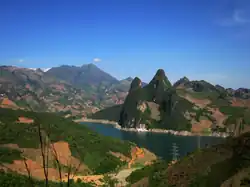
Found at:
(156, 105)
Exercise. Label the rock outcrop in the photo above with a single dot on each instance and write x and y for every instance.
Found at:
(170, 106)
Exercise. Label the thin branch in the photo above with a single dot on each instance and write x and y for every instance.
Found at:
(58, 163)
(43, 156)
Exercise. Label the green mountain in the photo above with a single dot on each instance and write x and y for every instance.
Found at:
(196, 106)
(227, 164)
(153, 105)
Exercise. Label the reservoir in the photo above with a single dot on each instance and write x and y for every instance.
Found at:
(160, 144)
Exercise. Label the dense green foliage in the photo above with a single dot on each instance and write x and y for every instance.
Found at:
(153, 172)
(7, 155)
(16, 180)
(84, 143)
(231, 110)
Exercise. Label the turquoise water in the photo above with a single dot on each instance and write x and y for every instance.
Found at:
(158, 143)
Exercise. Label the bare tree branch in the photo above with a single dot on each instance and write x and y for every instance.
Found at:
(57, 162)
(43, 155)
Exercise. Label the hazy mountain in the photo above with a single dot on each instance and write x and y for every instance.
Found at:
(86, 75)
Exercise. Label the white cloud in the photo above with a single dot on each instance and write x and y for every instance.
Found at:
(97, 60)
(21, 60)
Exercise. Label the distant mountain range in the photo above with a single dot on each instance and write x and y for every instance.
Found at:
(67, 89)
(79, 91)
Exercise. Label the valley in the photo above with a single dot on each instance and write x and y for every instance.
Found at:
(56, 130)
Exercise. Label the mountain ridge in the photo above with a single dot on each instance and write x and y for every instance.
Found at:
(196, 106)
(45, 92)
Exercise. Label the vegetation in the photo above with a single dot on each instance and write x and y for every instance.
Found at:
(7, 155)
(159, 90)
(153, 172)
(92, 147)
(111, 113)
(11, 179)
(204, 168)
(236, 113)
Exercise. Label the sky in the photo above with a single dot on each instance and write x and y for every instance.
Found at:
(201, 39)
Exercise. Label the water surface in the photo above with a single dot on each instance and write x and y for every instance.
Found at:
(158, 143)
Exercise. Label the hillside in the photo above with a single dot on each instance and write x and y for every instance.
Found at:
(195, 106)
(76, 147)
(85, 76)
(229, 166)
(54, 91)
(32, 142)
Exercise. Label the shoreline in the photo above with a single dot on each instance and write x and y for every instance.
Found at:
(165, 131)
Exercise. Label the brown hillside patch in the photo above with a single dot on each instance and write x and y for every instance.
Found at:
(199, 102)
(35, 169)
(240, 102)
(62, 150)
(6, 103)
(59, 150)
(25, 120)
(200, 126)
(218, 116)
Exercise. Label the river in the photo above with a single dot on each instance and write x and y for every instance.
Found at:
(159, 143)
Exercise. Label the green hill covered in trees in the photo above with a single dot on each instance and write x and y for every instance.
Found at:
(23, 139)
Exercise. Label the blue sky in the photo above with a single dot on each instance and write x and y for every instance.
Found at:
(208, 39)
